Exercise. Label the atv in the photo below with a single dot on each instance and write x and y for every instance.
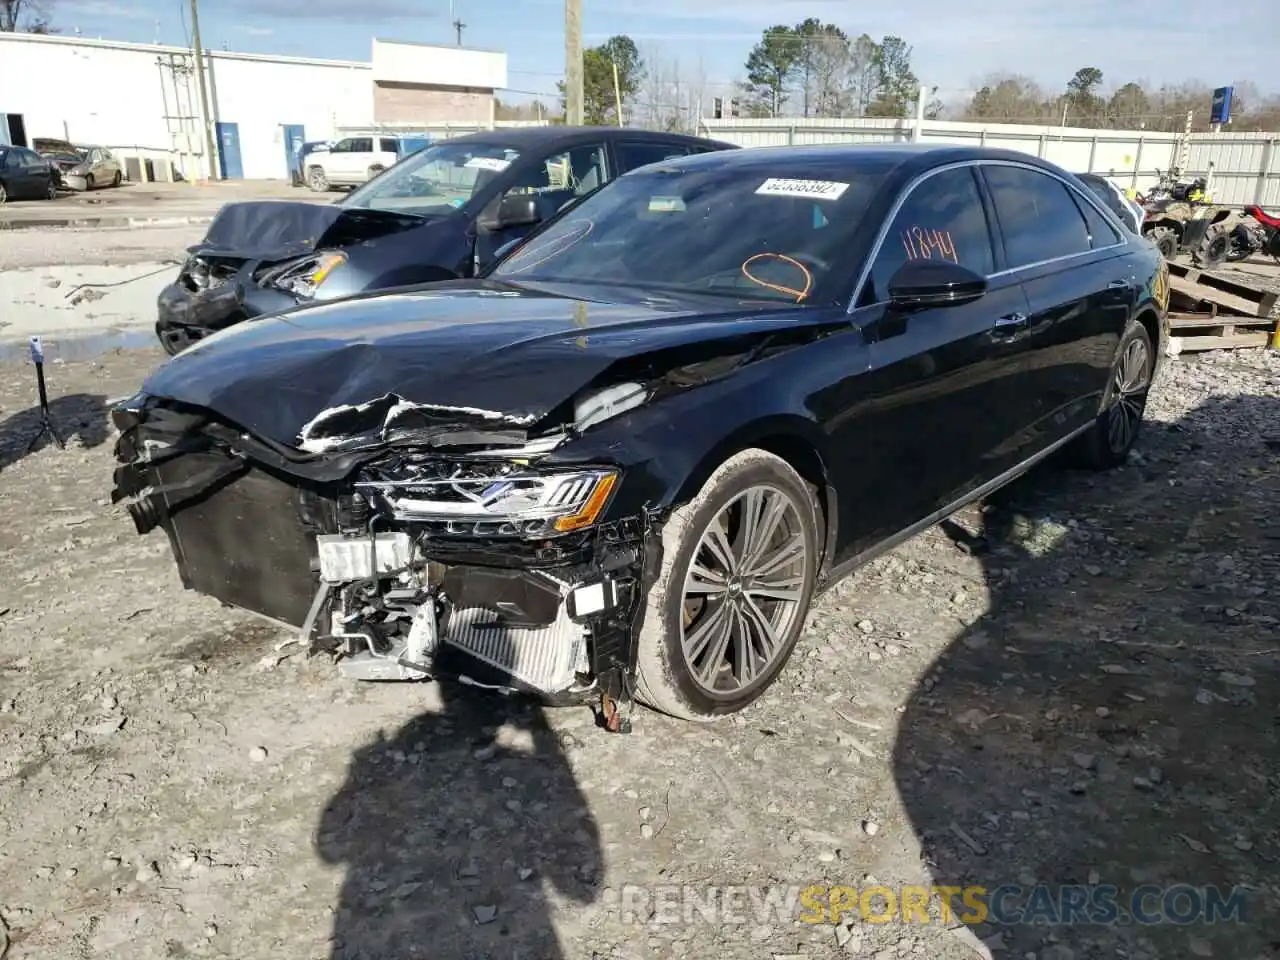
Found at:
(1255, 232)
(1180, 219)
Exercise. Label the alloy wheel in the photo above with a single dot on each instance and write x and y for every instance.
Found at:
(4, 194)
(1130, 383)
(743, 591)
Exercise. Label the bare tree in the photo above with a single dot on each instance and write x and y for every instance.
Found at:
(1008, 97)
(23, 16)
(657, 104)
(829, 59)
(863, 79)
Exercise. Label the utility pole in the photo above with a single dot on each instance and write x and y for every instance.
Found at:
(456, 23)
(573, 92)
(204, 92)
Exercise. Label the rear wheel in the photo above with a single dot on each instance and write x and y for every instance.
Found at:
(51, 193)
(317, 180)
(115, 181)
(738, 569)
(88, 181)
(4, 194)
(1166, 241)
(1113, 434)
(375, 170)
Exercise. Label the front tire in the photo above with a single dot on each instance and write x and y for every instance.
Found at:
(739, 565)
(1115, 431)
(115, 181)
(88, 182)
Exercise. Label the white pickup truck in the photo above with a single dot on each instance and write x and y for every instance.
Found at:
(350, 162)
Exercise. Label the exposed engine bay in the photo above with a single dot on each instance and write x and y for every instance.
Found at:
(415, 565)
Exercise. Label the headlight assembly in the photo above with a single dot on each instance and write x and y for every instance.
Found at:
(304, 277)
(491, 502)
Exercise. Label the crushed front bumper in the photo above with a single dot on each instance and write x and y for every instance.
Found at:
(185, 316)
(557, 619)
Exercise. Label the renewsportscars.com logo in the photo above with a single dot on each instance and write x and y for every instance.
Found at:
(1007, 905)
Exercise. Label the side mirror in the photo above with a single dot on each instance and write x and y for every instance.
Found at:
(506, 248)
(919, 284)
(519, 210)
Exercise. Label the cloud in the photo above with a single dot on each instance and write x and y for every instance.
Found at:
(337, 11)
(102, 9)
(254, 31)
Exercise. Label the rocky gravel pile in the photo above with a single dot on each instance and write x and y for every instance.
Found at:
(1070, 687)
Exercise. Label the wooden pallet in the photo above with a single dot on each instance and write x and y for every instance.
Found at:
(1222, 293)
(1194, 332)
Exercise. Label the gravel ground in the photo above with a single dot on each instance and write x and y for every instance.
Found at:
(1076, 685)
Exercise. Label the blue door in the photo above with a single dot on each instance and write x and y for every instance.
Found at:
(412, 144)
(229, 164)
(294, 137)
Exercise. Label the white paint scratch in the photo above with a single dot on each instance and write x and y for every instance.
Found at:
(400, 408)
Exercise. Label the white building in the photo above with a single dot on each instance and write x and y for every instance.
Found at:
(143, 101)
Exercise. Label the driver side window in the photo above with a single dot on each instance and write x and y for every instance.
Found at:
(560, 178)
(942, 219)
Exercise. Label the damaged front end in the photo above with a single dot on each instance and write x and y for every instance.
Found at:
(460, 555)
(261, 257)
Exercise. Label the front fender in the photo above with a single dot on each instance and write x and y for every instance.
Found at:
(668, 448)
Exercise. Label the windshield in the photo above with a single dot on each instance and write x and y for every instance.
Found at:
(721, 231)
(435, 181)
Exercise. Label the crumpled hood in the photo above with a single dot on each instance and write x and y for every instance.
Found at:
(283, 229)
(483, 351)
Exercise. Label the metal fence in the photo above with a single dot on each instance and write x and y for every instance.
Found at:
(434, 130)
(1244, 166)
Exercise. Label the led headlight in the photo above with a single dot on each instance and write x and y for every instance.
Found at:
(500, 504)
(303, 277)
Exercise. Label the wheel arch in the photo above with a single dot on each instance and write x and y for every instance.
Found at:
(791, 438)
(1177, 226)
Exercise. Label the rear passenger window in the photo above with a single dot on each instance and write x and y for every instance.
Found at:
(1038, 217)
(1101, 233)
(388, 145)
(634, 154)
(942, 219)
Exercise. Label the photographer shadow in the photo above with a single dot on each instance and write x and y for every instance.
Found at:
(1107, 734)
(458, 834)
(81, 418)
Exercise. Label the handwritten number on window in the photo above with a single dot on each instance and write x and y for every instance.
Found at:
(923, 244)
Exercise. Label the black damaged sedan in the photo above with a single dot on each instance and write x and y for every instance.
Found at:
(621, 464)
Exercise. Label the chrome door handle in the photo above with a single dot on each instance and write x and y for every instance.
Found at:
(1118, 285)
(1010, 323)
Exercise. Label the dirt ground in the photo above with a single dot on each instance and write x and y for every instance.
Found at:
(1078, 686)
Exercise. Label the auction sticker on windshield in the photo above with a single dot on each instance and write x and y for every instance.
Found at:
(488, 163)
(815, 189)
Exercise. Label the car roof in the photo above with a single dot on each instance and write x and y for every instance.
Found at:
(534, 137)
(907, 159)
